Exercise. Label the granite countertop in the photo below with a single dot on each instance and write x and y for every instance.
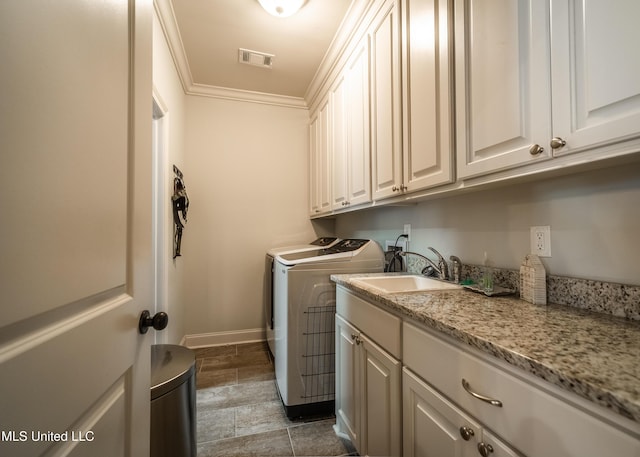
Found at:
(593, 355)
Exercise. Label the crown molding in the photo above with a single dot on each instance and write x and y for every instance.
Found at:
(246, 96)
(166, 17)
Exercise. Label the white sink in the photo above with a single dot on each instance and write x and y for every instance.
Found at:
(408, 283)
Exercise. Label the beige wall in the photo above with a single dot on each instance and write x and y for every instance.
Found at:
(247, 180)
(594, 218)
(169, 91)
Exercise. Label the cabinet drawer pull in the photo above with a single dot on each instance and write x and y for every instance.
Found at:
(491, 401)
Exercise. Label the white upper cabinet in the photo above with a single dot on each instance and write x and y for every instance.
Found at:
(503, 91)
(358, 145)
(411, 76)
(386, 102)
(427, 94)
(434, 92)
(351, 144)
(339, 156)
(596, 74)
(320, 161)
(542, 79)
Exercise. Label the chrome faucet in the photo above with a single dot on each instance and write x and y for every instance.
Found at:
(441, 269)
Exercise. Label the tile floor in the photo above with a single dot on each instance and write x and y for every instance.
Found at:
(240, 412)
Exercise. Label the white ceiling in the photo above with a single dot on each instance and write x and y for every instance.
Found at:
(204, 36)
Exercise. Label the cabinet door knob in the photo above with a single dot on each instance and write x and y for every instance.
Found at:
(466, 432)
(395, 189)
(536, 149)
(557, 142)
(485, 449)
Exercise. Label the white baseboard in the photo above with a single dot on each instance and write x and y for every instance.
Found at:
(200, 340)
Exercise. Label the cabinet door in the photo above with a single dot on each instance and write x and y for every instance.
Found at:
(314, 208)
(319, 161)
(432, 427)
(386, 103)
(503, 91)
(347, 381)
(358, 142)
(340, 157)
(595, 64)
(382, 401)
(428, 93)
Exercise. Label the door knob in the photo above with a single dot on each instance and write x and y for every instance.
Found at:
(158, 322)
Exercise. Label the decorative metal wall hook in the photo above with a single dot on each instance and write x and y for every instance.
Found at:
(180, 205)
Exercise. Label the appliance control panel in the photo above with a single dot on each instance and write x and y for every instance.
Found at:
(324, 241)
(346, 246)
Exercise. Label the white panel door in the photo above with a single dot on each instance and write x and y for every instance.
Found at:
(320, 161)
(348, 372)
(75, 193)
(339, 154)
(428, 94)
(386, 103)
(595, 64)
(358, 141)
(431, 426)
(381, 389)
(503, 88)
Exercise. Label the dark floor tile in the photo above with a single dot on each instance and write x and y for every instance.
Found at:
(275, 443)
(214, 351)
(260, 346)
(216, 378)
(243, 359)
(318, 439)
(240, 412)
(256, 373)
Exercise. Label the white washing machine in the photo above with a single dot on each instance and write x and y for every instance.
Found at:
(323, 242)
(304, 317)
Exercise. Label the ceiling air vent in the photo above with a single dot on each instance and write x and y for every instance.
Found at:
(258, 59)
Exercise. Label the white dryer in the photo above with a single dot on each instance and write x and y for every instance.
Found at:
(304, 317)
(319, 243)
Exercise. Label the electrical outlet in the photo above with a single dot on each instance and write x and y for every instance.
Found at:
(407, 231)
(541, 241)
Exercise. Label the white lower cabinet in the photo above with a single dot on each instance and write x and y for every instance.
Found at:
(368, 383)
(405, 389)
(537, 421)
(434, 427)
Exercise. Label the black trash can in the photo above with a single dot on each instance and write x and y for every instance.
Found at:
(173, 401)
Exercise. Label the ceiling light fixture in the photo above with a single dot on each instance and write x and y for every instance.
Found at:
(282, 8)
